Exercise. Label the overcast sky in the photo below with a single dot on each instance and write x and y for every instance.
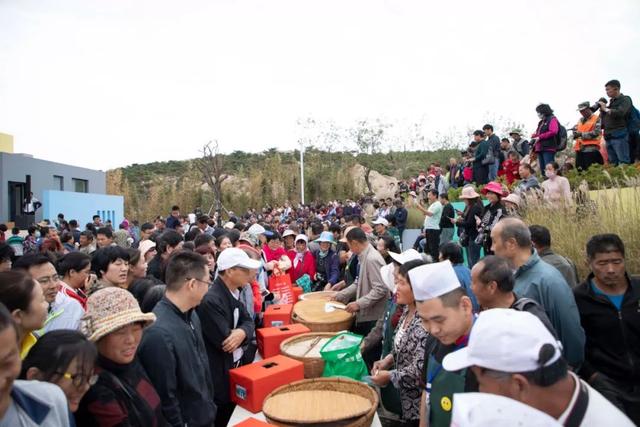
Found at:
(106, 83)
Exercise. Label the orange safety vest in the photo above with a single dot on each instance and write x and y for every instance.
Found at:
(587, 126)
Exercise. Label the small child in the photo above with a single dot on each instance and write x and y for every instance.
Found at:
(510, 168)
(15, 241)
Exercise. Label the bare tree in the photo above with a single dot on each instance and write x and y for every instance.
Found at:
(212, 167)
(368, 136)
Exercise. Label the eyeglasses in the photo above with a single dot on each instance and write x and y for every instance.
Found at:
(209, 284)
(47, 280)
(78, 380)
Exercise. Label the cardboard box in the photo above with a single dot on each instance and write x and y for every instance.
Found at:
(269, 339)
(252, 422)
(297, 291)
(277, 315)
(251, 384)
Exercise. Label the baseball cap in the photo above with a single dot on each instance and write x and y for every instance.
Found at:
(256, 229)
(406, 256)
(431, 281)
(381, 220)
(249, 238)
(234, 257)
(504, 340)
(386, 272)
(288, 233)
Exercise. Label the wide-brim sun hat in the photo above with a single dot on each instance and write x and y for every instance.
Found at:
(110, 309)
(469, 192)
(513, 198)
(326, 237)
(494, 187)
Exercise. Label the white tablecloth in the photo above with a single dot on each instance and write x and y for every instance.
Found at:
(241, 414)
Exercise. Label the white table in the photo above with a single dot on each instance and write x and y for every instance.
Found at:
(240, 414)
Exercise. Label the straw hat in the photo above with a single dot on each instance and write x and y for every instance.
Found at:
(110, 309)
(494, 187)
(288, 232)
(469, 192)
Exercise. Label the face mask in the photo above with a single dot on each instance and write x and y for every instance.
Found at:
(37, 234)
(540, 116)
(550, 174)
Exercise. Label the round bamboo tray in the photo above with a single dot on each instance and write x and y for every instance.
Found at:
(313, 366)
(332, 384)
(312, 314)
(323, 295)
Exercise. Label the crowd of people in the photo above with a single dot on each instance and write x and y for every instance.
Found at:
(93, 318)
(605, 132)
(141, 325)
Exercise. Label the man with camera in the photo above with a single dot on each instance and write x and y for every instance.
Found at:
(587, 135)
(615, 118)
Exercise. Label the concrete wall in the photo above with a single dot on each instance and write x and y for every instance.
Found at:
(15, 167)
(82, 206)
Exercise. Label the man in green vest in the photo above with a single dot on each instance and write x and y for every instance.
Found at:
(447, 314)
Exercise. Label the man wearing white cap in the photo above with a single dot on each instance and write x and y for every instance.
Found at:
(447, 314)
(513, 354)
(227, 327)
(380, 227)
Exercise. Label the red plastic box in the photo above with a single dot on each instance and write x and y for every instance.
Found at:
(297, 291)
(252, 422)
(251, 384)
(277, 315)
(269, 339)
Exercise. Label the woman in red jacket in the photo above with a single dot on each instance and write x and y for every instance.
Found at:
(302, 260)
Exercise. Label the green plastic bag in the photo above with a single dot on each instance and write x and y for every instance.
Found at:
(304, 282)
(342, 358)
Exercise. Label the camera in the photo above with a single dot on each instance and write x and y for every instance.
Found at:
(596, 106)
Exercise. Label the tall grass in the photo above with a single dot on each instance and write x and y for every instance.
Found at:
(614, 210)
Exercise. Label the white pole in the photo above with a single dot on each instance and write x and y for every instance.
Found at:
(301, 172)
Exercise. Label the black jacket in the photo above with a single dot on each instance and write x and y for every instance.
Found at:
(173, 354)
(216, 312)
(613, 337)
(447, 214)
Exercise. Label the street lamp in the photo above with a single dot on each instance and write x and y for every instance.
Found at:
(301, 172)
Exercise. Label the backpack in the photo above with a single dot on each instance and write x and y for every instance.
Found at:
(561, 137)
(633, 122)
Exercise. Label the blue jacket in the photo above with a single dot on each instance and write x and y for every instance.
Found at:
(544, 284)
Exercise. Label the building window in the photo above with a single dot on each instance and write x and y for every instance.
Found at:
(80, 185)
(58, 182)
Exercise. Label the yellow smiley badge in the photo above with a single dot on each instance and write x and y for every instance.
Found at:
(445, 403)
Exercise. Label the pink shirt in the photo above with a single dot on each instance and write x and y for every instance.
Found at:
(557, 191)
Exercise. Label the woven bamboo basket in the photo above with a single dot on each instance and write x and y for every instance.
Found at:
(312, 314)
(313, 366)
(333, 384)
(323, 295)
